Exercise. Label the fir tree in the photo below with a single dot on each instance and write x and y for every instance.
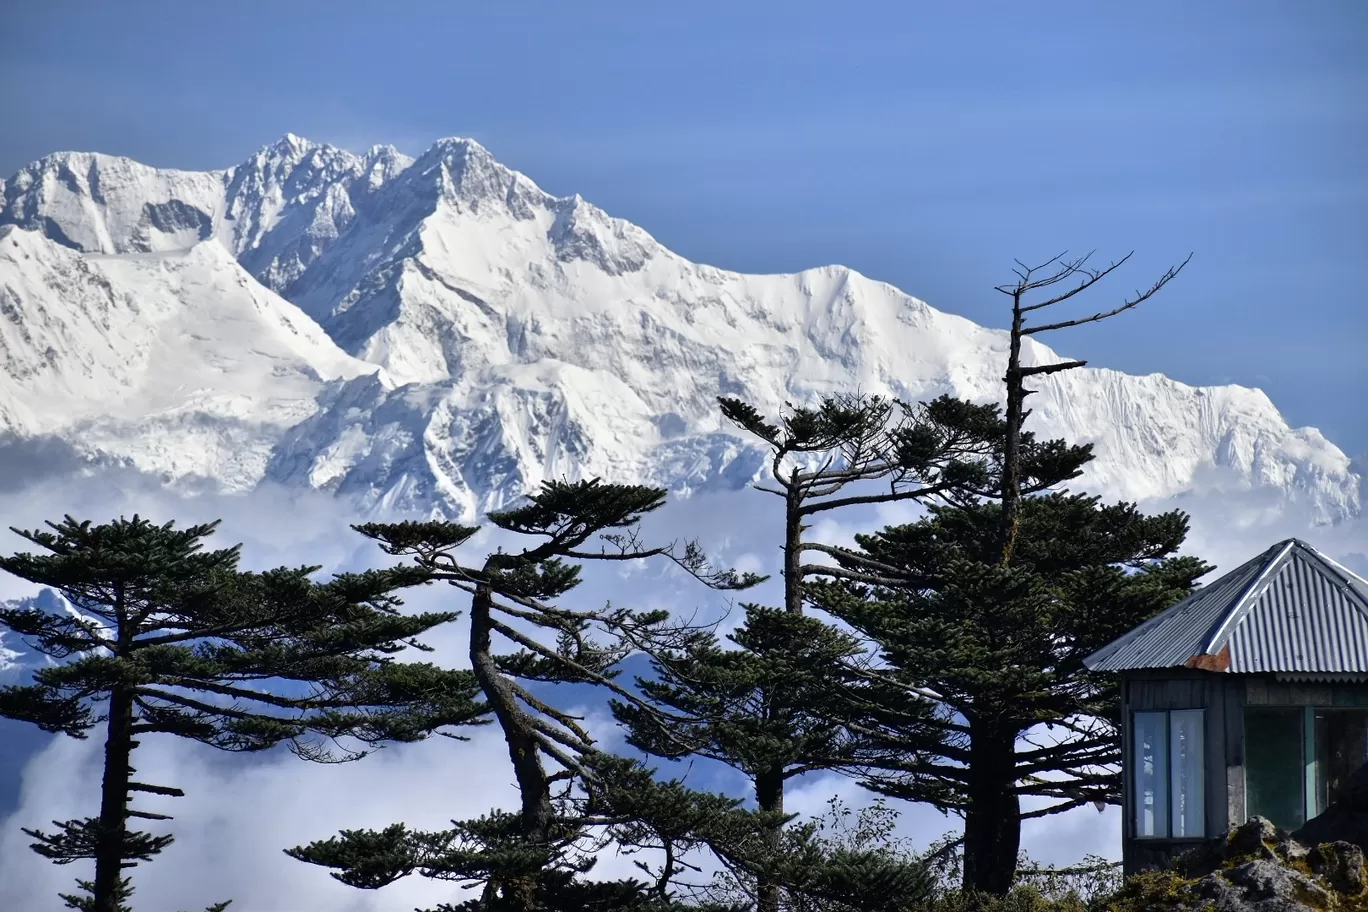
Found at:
(166, 638)
(534, 859)
(988, 608)
(764, 708)
(1000, 652)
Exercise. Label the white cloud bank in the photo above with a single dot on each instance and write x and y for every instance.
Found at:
(239, 813)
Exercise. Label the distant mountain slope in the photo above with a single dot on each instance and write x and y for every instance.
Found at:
(519, 336)
(179, 362)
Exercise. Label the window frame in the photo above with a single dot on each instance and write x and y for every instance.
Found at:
(1134, 810)
(1316, 775)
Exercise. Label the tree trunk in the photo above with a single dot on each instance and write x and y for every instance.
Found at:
(793, 541)
(534, 786)
(1011, 454)
(769, 796)
(992, 822)
(769, 782)
(109, 844)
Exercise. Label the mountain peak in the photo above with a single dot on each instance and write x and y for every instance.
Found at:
(526, 337)
(463, 144)
(468, 176)
(290, 152)
(384, 152)
(291, 143)
(462, 155)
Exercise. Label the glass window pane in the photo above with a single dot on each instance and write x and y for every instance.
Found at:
(1274, 770)
(1341, 748)
(1186, 773)
(1151, 774)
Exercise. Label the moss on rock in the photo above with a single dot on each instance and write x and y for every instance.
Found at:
(1256, 867)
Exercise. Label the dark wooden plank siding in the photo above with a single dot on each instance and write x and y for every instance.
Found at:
(1221, 697)
(1234, 752)
(1181, 689)
(1215, 754)
(1269, 691)
(1128, 860)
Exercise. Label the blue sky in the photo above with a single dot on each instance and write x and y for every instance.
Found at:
(923, 144)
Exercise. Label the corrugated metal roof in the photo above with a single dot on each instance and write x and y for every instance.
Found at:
(1291, 609)
(1173, 636)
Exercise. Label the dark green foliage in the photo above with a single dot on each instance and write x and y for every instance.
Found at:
(765, 706)
(1018, 899)
(572, 796)
(762, 707)
(841, 861)
(491, 853)
(998, 650)
(754, 705)
(834, 864)
(170, 639)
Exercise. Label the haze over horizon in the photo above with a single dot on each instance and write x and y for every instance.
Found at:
(368, 343)
(927, 152)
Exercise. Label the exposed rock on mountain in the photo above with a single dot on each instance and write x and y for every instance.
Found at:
(439, 335)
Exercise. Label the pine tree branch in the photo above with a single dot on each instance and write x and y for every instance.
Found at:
(584, 672)
(190, 632)
(825, 481)
(1049, 369)
(549, 746)
(884, 743)
(1090, 277)
(574, 743)
(563, 718)
(205, 709)
(240, 693)
(1024, 273)
(148, 815)
(856, 500)
(922, 692)
(1140, 296)
(854, 557)
(806, 570)
(1057, 809)
(1101, 745)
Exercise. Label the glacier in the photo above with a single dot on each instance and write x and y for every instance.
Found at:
(437, 335)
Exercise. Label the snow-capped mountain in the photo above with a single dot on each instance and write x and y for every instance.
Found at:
(17, 660)
(440, 335)
(180, 362)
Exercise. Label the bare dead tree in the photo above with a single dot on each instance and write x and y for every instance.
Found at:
(1053, 272)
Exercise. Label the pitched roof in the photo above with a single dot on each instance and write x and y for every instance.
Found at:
(1291, 610)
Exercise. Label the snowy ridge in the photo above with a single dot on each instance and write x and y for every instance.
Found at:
(179, 363)
(461, 335)
(17, 660)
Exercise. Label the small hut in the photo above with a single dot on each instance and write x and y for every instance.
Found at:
(1247, 698)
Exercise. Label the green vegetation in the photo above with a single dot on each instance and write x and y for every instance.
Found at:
(916, 662)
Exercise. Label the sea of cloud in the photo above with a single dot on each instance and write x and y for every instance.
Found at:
(239, 813)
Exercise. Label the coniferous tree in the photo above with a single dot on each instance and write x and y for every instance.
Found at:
(989, 606)
(569, 790)
(1031, 279)
(166, 638)
(763, 707)
(999, 651)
